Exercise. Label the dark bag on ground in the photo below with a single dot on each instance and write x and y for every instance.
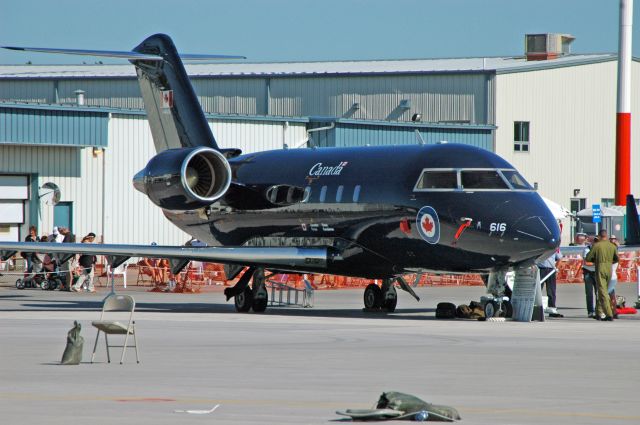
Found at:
(73, 351)
(446, 311)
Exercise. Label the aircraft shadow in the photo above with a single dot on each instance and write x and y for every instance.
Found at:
(205, 308)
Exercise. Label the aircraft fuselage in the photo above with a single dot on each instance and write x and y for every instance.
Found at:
(371, 205)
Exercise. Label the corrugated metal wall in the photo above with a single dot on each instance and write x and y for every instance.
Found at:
(572, 129)
(438, 97)
(347, 135)
(76, 171)
(130, 217)
(113, 93)
(449, 97)
(52, 127)
(253, 136)
(244, 96)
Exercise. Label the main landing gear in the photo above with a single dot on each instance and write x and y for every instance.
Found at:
(383, 298)
(245, 297)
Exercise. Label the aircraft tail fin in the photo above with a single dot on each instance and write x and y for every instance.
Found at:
(174, 112)
(633, 222)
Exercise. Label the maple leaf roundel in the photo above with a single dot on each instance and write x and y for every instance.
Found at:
(428, 224)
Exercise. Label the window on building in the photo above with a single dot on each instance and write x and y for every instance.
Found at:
(607, 202)
(437, 179)
(489, 179)
(521, 136)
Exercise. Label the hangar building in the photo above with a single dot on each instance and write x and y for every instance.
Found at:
(551, 114)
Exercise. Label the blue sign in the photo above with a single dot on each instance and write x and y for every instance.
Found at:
(596, 213)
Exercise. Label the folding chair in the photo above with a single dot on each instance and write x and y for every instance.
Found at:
(115, 303)
(120, 270)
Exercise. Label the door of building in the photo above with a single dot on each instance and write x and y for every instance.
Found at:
(63, 215)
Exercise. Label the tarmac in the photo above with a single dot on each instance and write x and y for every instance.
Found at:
(298, 366)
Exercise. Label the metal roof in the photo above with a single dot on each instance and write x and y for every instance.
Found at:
(292, 69)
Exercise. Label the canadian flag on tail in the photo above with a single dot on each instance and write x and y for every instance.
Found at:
(167, 99)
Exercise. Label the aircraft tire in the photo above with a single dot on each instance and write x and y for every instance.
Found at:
(244, 300)
(490, 310)
(372, 297)
(507, 309)
(20, 284)
(390, 304)
(260, 303)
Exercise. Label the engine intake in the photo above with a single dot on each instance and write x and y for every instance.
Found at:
(185, 179)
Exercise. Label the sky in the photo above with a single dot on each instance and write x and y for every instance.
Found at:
(308, 30)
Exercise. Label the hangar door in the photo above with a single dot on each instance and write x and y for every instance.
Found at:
(14, 191)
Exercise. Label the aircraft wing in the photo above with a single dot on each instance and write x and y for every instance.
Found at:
(282, 258)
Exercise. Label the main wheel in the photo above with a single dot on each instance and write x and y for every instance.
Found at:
(507, 309)
(244, 300)
(20, 284)
(260, 300)
(390, 304)
(490, 310)
(44, 284)
(372, 297)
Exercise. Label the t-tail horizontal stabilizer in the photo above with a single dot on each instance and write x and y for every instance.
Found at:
(175, 116)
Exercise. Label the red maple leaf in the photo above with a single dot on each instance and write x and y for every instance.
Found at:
(427, 225)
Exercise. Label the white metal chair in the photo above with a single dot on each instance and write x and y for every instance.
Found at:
(121, 270)
(117, 303)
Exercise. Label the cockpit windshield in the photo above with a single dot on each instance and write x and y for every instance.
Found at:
(470, 180)
(516, 180)
(485, 179)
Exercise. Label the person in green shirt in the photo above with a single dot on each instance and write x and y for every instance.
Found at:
(603, 254)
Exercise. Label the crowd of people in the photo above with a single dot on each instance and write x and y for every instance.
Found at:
(75, 275)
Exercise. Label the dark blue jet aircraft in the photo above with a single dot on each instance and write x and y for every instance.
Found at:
(375, 212)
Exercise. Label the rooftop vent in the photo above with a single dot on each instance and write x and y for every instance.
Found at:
(540, 47)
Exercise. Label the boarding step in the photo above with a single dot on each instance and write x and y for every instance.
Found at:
(282, 294)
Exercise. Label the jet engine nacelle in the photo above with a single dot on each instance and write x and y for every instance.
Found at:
(185, 179)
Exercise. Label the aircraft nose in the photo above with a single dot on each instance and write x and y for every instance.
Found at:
(540, 231)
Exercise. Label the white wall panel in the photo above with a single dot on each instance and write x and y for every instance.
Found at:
(76, 171)
(130, 217)
(572, 115)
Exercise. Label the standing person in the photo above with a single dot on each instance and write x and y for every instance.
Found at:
(68, 266)
(28, 256)
(86, 263)
(611, 288)
(589, 276)
(603, 254)
(548, 268)
(56, 236)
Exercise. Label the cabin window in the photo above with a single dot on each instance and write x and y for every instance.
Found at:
(356, 193)
(516, 180)
(307, 194)
(339, 193)
(437, 179)
(323, 193)
(484, 179)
